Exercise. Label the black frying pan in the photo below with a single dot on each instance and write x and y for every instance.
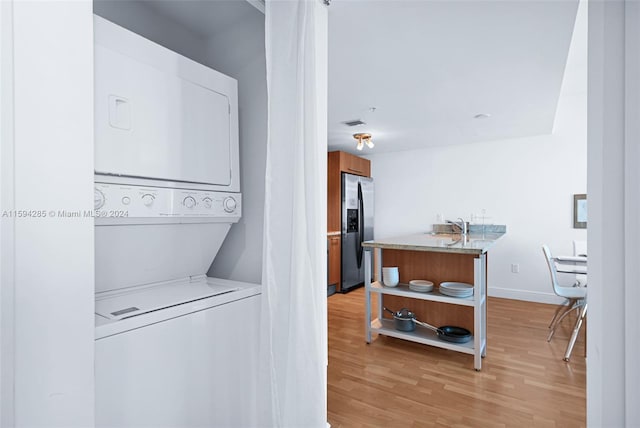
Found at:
(448, 333)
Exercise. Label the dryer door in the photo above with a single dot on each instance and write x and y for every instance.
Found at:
(157, 124)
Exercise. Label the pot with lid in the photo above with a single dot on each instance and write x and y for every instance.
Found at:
(403, 319)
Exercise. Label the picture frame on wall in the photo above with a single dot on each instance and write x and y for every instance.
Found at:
(580, 211)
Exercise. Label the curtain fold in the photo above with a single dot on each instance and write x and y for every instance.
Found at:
(293, 351)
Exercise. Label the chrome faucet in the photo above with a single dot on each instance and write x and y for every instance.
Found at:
(462, 226)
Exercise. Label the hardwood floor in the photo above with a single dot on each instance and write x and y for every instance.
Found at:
(392, 382)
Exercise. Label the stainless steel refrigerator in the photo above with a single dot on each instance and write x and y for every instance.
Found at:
(357, 226)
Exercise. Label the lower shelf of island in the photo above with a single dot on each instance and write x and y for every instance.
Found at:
(422, 335)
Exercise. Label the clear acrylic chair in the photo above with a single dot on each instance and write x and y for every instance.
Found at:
(576, 299)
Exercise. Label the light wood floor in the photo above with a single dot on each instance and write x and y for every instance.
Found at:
(392, 382)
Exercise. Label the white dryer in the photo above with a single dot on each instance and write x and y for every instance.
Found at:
(160, 116)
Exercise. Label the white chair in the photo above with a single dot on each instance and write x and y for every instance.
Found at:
(576, 299)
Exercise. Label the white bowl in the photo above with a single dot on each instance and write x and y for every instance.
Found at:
(421, 285)
(421, 282)
(390, 276)
(390, 283)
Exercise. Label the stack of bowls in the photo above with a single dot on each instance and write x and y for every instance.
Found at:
(390, 276)
(421, 285)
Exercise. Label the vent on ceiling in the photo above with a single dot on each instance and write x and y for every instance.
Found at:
(356, 122)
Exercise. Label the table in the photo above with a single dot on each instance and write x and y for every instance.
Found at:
(571, 264)
(435, 257)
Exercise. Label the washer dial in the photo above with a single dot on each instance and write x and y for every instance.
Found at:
(189, 202)
(98, 199)
(229, 204)
(207, 202)
(148, 199)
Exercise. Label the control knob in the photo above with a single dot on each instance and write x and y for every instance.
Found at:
(148, 199)
(207, 202)
(189, 202)
(98, 199)
(229, 204)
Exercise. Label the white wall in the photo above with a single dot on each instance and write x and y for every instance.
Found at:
(527, 184)
(613, 374)
(239, 52)
(7, 283)
(146, 22)
(52, 161)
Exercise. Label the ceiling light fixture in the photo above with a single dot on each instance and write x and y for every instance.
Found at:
(362, 140)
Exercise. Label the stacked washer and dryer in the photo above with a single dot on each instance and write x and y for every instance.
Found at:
(173, 346)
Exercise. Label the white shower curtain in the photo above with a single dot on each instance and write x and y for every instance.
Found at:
(293, 350)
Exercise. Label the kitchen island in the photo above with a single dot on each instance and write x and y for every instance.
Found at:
(436, 257)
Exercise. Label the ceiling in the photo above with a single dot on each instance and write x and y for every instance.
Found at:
(417, 72)
(204, 18)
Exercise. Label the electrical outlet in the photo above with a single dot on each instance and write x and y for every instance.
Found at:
(515, 268)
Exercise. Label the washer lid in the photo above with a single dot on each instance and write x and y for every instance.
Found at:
(141, 300)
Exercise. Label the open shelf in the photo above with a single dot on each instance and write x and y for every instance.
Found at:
(455, 308)
(420, 335)
(403, 290)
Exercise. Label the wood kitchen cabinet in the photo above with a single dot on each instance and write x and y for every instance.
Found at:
(337, 163)
(354, 164)
(334, 260)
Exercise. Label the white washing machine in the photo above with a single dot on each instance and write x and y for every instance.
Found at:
(174, 348)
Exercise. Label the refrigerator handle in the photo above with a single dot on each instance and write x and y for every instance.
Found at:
(360, 226)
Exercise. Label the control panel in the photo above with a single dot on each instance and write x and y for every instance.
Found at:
(352, 221)
(119, 200)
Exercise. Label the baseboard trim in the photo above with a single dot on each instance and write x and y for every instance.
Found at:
(526, 295)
